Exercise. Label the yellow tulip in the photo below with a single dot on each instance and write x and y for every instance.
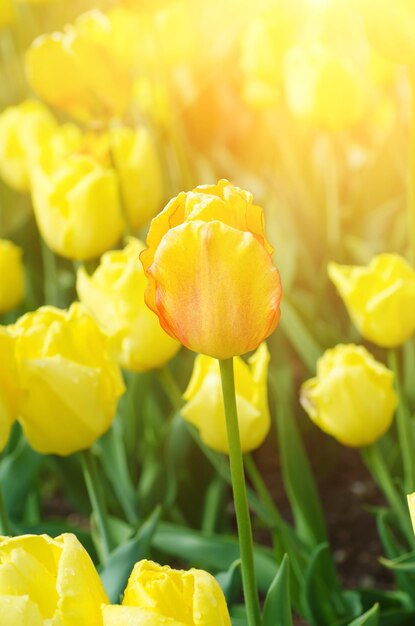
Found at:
(76, 204)
(69, 378)
(204, 401)
(140, 173)
(322, 88)
(380, 298)
(45, 581)
(212, 281)
(157, 596)
(6, 13)
(352, 396)
(76, 70)
(264, 45)
(114, 295)
(12, 284)
(389, 26)
(9, 386)
(23, 128)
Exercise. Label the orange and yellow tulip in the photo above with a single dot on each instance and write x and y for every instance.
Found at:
(202, 251)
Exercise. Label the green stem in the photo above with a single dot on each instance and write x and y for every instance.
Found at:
(261, 489)
(128, 228)
(375, 461)
(170, 387)
(239, 494)
(405, 432)
(50, 275)
(5, 526)
(96, 495)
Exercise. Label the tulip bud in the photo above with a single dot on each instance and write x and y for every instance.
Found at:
(6, 13)
(389, 26)
(76, 71)
(205, 410)
(12, 285)
(323, 88)
(69, 379)
(9, 387)
(161, 595)
(23, 128)
(379, 298)
(352, 396)
(48, 581)
(411, 505)
(212, 281)
(77, 206)
(114, 295)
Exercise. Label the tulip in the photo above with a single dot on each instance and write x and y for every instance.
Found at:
(69, 379)
(9, 386)
(389, 26)
(48, 581)
(76, 204)
(157, 595)
(139, 169)
(212, 281)
(76, 70)
(380, 298)
(23, 128)
(324, 88)
(6, 13)
(12, 285)
(114, 295)
(205, 410)
(352, 396)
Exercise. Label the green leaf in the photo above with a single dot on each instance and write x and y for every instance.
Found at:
(298, 335)
(322, 605)
(297, 473)
(115, 573)
(18, 472)
(231, 582)
(213, 552)
(277, 608)
(370, 618)
(114, 461)
(403, 563)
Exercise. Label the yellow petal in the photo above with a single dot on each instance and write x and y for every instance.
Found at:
(204, 294)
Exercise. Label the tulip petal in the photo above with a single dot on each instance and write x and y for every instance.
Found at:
(205, 293)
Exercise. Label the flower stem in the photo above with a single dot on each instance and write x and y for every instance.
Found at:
(239, 494)
(403, 421)
(96, 496)
(375, 461)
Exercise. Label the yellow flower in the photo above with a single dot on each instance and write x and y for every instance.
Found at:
(204, 407)
(264, 45)
(48, 581)
(139, 170)
(76, 196)
(12, 283)
(157, 595)
(322, 88)
(70, 380)
(389, 26)
(380, 298)
(114, 295)
(352, 396)
(23, 128)
(6, 13)
(76, 70)
(9, 386)
(212, 281)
